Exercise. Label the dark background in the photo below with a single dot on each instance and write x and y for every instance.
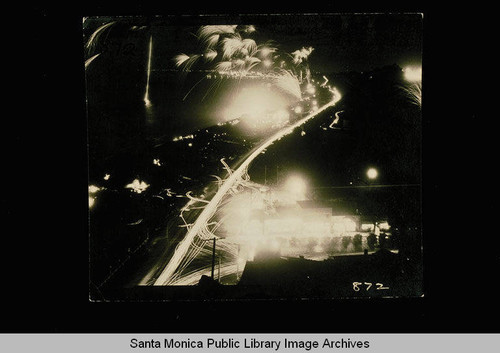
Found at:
(44, 199)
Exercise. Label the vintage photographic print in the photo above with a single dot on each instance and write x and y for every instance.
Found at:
(254, 156)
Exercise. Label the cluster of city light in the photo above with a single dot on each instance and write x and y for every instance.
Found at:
(180, 138)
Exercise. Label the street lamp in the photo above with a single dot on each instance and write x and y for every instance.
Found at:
(372, 173)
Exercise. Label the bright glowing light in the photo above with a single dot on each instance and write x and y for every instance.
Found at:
(413, 74)
(372, 173)
(254, 102)
(146, 96)
(336, 96)
(288, 83)
(274, 245)
(384, 226)
(318, 248)
(93, 189)
(91, 201)
(301, 55)
(156, 161)
(349, 225)
(265, 51)
(190, 144)
(180, 138)
(336, 120)
(367, 227)
(137, 186)
(107, 176)
(324, 83)
(89, 60)
(296, 186)
(310, 89)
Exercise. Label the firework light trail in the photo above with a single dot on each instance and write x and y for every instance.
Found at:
(146, 96)
(412, 89)
(167, 276)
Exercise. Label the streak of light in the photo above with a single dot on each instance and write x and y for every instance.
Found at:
(146, 96)
(413, 92)
(336, 120)
(89, 60)
(180, 138)
(94, 38)
(324, 83)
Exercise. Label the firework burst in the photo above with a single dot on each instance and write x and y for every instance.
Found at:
(95, 38)
(413, 92)
(227, 51)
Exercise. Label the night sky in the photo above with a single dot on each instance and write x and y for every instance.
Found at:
(358, 42)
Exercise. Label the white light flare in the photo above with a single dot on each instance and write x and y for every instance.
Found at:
(93, 189)
(254, 101)
(310, 88)
(413, 74)
(372, 173)
(296, 186)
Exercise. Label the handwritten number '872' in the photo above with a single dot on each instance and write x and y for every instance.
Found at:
(357, 286)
